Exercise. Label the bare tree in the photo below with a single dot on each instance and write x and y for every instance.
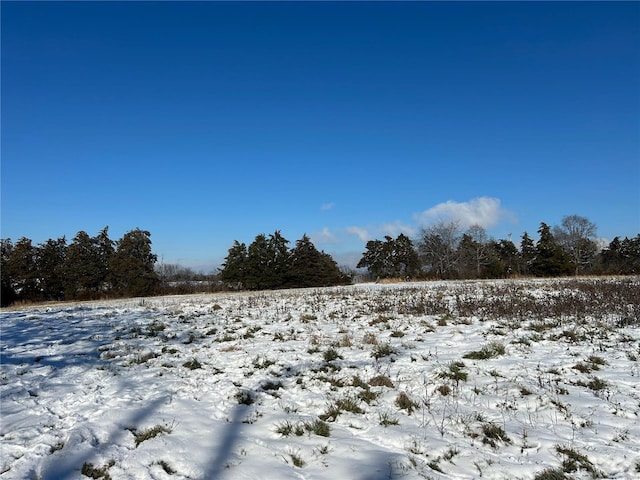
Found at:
(438, 248)
(473, 251)
(576, 236)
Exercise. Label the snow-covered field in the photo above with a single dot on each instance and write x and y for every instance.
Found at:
(504, 379)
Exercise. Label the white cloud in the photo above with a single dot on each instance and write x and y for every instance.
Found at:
(396, 228)
(323, 237)
(362, 234)
(483, 211)
(327, 206)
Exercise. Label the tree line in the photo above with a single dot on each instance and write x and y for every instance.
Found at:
(443, 251)
(87, 268)
(98, 267)
(268, 263)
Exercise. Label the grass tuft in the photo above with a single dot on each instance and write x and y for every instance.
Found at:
(144, 435)
(403, 402)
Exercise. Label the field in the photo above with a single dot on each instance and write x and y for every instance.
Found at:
(514, 379)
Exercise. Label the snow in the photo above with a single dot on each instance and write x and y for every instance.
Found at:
(79, 381)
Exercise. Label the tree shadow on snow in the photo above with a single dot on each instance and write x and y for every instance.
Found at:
(79, 449)
(229, 440)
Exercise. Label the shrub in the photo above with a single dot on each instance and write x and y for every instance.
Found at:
(318, 427)
(285, 428)
(346, 404)
(88, 470)
(192, 364)
(381, 381)
(403, 402)
(551, 474)
(261, 362)
(356, 381)
(491, 350)
(166, 467)
(387, 419)
(297, 460)
(330, 355)
(382, 350)
(144, 435)
(454, 372)
(444, 390)
(367, 395)
(493, 433)
(245, 397)
(370, 338)
(271, 385)
(575, 461)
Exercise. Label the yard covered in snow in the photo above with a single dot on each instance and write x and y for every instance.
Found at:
(493, 379)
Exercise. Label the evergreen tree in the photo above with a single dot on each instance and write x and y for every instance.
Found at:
(22, 269)
(504, 259)
(630, 253)
(311, 268)
(278, 261)
(132, 265)
(393, 258)
(527, 253)
(267, 263)
(405, 260)
(550, 259)
(105, 248)
(8, 294)
(468, 261)
(51, 258)
(473, 252)
(257, 276)
(85, 274)
(611, 257)
(622, 257)
(373, 259)
(235, 264)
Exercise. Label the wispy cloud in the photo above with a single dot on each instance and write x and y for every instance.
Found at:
(483, 211)
(323, 237)
(327, 206)
(396, 228)
(362, 234)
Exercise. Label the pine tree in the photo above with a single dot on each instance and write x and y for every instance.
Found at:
(373, 259)
(257, 275)
(105, 249)
(311, 268)
(8, 294)
(393, 258)
(504, 259)
(467, 262)
(527, 253)
(132, 265)
(85, 273)
(278, 262)
(406, 262)
(22, 269)
(235, 264)
(550, 259)
(622, 257)
(51, 258)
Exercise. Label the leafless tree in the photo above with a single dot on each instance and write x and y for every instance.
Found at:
(473, 250)
(576, 236)
(438, 248)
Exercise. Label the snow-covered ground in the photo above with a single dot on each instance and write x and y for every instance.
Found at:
(361, 382)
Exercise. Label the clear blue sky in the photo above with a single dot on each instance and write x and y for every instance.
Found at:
(209, 122)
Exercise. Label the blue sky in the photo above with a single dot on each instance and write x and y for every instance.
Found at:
(208, 122)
